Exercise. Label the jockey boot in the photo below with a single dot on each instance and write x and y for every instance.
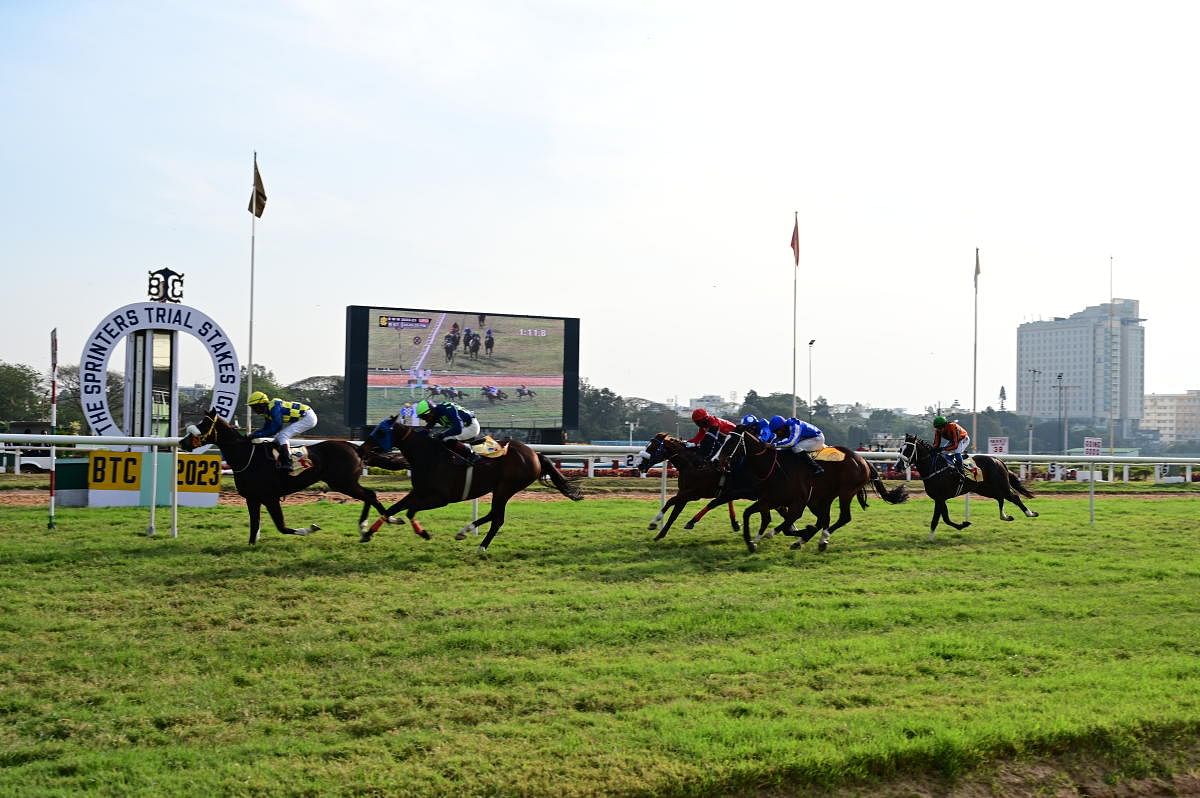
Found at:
(464, 451)
(811, 463)
(284, 461)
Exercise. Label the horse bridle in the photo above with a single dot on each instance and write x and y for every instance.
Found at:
(200, 439)
(904, 460)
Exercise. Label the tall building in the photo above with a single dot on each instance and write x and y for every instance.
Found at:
(1176, 416)
(1088, 366)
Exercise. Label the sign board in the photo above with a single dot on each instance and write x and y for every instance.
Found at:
(123, 479)
(114, 470)
(1092, 446)
(198, 473)
(998, 445)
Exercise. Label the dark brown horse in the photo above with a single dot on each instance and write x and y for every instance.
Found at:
(438, 480)
(698, 478)
(788, 485)
(337, 463)
(943, 481)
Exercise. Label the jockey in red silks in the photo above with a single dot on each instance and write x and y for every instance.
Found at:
(711, 430)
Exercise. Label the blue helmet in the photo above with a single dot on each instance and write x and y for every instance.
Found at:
(749, 419)
(778, 423)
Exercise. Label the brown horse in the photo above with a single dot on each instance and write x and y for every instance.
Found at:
(698, 478)
(438, 480)
(787, 484)
(337, 463)
(944, 481)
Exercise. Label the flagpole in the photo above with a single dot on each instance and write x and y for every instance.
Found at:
(795, 280)
(975, 361)
(250, 354)
(1112, 440)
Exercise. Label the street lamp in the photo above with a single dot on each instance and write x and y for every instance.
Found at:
(810, 393)
(1061, 421)
(1032, 403)
(631, 424)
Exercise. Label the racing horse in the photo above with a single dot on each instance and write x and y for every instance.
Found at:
(944, 482)
(449, 345)
(337, 463)
(788, 485)
(698, 479)
(488, 343)
(474, 346)
(437, 480)
(522, 391)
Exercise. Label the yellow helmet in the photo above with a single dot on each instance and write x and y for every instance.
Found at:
(257, 398)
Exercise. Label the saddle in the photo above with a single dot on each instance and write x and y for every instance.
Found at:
(488, 447)
(300, 459)
(830, 454)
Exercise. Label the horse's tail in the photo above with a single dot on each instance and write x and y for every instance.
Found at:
(552, 477)
(896, 496)
(862, 497)
(1016, 485)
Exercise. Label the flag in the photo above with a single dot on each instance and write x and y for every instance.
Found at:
(796, 240)
(977, 268)
(258, 196)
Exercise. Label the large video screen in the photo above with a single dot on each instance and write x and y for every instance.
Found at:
(517, 372)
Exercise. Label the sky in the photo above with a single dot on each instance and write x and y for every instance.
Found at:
(636, 164)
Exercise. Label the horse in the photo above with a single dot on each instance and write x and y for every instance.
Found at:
(698, 479)
(523, 391)
(437, 480)
(474, 351)
(337, 463)
(943, 481)
(488, 343)
(788, 485)
(449, 346)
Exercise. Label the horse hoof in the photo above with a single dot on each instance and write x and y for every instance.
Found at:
(965, 524)
(481, 551)
(365, 537)
(652, 527)
(1008, 518)
(422, 534)
(798, 544)
(689, 525)
(822, 546)
(462, 535)
(660, 536)
(395, 520)
(1032, 514)
(737, 528)
(753, 548)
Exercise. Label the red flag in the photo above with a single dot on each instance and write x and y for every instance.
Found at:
(796, 240)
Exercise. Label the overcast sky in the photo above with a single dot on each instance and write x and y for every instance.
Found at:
(635, 164)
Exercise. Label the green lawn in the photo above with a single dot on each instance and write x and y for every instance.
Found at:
(579, 658)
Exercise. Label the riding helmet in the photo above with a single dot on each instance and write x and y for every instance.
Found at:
(423, 407)
(699, 414)
(749, 419)
(940, 421)
(778, 423)
(257, 398)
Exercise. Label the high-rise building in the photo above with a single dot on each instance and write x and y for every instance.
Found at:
(1175, 416)
(1088, 367)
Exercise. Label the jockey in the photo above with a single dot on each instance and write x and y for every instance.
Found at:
(801, 437)
(460, 426)
(284, 421)
(710, 428)
(407, 415)
(951, 438)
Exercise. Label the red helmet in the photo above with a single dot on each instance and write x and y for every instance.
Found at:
(699, 414)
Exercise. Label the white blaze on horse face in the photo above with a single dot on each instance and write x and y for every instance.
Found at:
(193, 430)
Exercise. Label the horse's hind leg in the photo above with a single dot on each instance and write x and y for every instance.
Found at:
(1003, 515)
(1015, 499)
(499, 504)
(733, 518)
(715, 502)
(254, 507)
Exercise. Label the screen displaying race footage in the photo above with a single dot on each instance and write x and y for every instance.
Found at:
(511, 371)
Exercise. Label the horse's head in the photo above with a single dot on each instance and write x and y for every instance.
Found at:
(654, 453)
(910, 452)
(733, 442)
(211, 429)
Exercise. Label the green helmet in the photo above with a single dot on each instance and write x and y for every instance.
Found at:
(423, 407)
(940, 421)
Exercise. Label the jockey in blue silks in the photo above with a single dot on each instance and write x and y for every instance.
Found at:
(758, 427)
(800, 437)
(458, 425)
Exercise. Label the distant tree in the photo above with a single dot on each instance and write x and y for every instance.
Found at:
(70, 411)
(22, 393)
(602, 413)
(1003, 397)
(325, 395)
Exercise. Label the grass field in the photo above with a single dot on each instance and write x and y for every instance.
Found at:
(581, 659)
(543, 410)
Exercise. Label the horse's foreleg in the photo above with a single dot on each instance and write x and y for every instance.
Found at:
(254, 507)
(276, 513)
(680, 503)
(1003, 515)
(662, 512)
(733, 518)
(385, 518)
(843, 519)
(714, 503)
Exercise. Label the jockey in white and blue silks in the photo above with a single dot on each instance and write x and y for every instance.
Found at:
(758, 427)
(799, 437)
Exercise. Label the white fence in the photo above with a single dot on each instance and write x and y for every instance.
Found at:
(589, 455)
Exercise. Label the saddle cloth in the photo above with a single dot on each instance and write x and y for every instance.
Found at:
(489, 448)
(830, 455)
(300, 460)
(969, 466)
